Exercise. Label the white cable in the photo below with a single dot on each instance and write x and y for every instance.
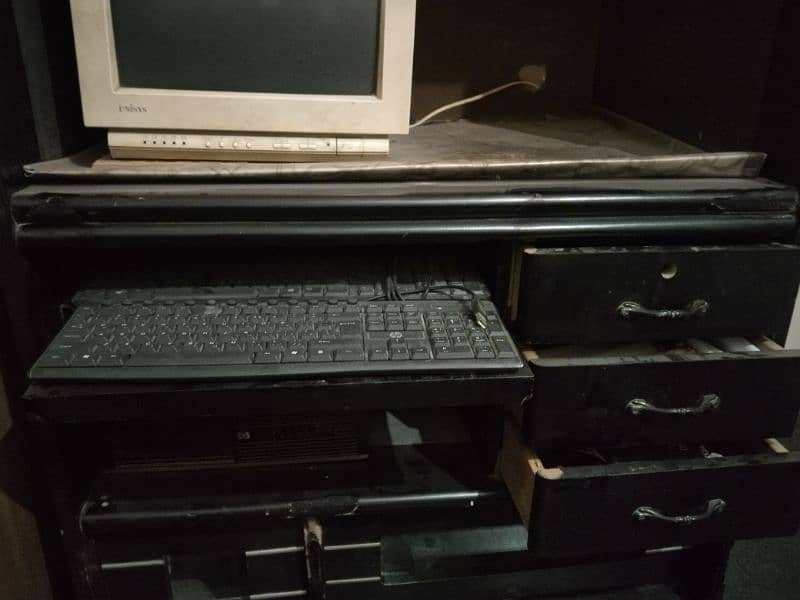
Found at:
(474, 98)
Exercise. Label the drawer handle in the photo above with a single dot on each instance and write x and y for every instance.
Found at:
(695, 309)
(717, 505)
(708, 403)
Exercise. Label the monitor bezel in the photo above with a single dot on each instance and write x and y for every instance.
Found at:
(107, 104)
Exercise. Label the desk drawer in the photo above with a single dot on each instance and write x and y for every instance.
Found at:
(588, 295)
(662, 393)
(593, 503)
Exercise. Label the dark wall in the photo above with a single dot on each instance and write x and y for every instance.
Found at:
(780, 118)
(17, 137)
(60, 47)
(467, 46)
(18, 144)
(44, 80)
(697, 70)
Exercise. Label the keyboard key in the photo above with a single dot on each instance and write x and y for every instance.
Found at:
(198, 359)
(350, 329)
(77, 329)
(366, 291)
(292, 291)
(420, 353)
(399, 353)
(320, 355)
(349, 354)
(109, 360)
(337, 289)
(72, 338)
(62, 348)
(504, 348)
(268, 356)
(484, 352)
(54, 359)
(83, 360)
(379, 354)
(312, 291)
(452, 352)
(295, 355)
(414, 335)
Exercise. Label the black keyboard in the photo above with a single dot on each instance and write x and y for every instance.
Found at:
(234, 339)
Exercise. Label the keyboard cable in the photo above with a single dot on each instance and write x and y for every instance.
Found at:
(475, 305)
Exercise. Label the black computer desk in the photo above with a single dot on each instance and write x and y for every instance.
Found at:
(58, 223)
(103, 215)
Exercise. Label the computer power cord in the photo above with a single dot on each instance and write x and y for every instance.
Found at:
(533, 76)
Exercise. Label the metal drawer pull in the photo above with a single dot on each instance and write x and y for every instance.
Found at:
(717, 505)
(708, 403)
(695, 309)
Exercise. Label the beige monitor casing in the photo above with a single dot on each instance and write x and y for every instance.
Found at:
(162, 123)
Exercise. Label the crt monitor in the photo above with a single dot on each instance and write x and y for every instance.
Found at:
(245, 79)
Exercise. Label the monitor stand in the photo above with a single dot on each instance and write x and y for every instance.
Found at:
(242, 147)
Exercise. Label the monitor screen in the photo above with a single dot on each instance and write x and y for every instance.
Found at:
(260, 46)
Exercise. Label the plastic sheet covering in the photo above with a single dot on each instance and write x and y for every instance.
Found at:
(594, 144)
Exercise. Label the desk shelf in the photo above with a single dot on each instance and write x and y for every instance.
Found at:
(589, 144)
